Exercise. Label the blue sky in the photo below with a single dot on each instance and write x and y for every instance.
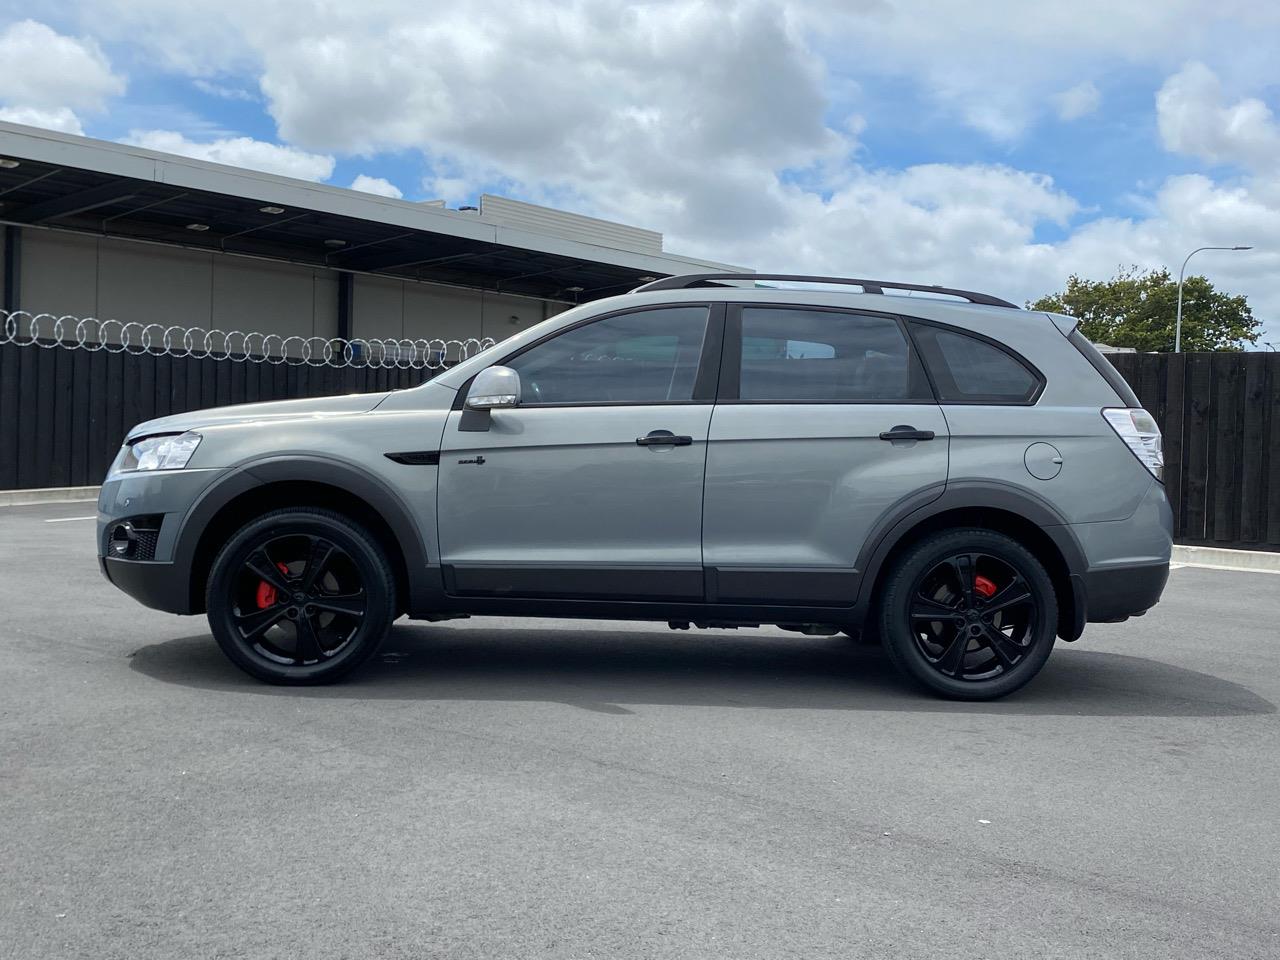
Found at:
(1002, 146)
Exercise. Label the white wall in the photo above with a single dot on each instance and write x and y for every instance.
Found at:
(59, 273)
(407, 310)
(274, 298)
(81, 276)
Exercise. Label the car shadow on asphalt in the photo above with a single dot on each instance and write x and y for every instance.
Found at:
(610, 670)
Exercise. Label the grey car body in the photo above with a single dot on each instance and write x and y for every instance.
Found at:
(781, 510)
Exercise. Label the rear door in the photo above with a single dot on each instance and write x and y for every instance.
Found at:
(590, 488)
(802, 459)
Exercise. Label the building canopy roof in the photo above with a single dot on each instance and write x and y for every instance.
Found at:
(108, 189)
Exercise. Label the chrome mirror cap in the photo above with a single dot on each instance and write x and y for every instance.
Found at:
(494, 387)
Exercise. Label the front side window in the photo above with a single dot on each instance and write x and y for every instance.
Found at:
(650, 356)
(968, 370)
(826, 356)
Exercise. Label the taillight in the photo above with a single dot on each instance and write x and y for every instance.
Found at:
(1138, 430)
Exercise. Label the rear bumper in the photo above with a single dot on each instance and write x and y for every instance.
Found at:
(1119, 592)
(160, 586)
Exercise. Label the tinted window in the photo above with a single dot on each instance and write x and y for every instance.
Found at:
(650, 356)
(966, 369)
(825, 356)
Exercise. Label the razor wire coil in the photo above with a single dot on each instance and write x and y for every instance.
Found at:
(49, 331)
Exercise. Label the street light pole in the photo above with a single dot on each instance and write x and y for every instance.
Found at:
(1177, 330)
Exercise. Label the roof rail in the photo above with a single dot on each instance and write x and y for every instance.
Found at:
(868, 286)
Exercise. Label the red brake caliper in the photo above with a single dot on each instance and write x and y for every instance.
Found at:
(266, 592)
(984, 587)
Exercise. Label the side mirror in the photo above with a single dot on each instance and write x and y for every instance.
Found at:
(494, 387)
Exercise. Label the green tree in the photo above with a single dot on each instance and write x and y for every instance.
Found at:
(1138, 308)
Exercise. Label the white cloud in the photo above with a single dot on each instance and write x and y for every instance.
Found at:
(1195, 119)
(378, 185)
(60, 118)
(724, 124)
(934, 223)
(1078, 101)
(223, 91)
(995, 64)
(239, 152)
(674, 113)
(45, 70)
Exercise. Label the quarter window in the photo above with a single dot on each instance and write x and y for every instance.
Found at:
(650, 356)
(826, 356)
(968, 370)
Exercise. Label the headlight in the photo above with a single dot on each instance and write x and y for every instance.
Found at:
(169, 452)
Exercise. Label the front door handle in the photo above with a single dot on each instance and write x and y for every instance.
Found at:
(663, 438)
(905, 432)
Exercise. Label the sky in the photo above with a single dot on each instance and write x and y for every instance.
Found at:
(999, 145)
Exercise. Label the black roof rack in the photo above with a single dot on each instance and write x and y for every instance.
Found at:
(868, 286)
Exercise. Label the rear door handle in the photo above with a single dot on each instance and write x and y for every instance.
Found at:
(905, 432)
(659, 438)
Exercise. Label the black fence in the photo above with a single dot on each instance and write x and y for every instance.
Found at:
(1220, 416)
(64, 413)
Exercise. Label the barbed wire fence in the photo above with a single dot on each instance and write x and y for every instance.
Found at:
(72, 387)
(51, 331)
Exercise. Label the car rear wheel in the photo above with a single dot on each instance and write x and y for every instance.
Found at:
(970, 614)
(300, 596)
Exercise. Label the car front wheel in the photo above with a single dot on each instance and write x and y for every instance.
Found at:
(300, 596)
(970, 614)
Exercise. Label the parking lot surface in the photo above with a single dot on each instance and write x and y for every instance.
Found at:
(500, 788)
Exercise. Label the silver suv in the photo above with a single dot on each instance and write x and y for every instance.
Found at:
(961, 479)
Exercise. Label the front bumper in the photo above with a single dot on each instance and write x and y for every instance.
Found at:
(160, 586)
(163, 496)
(166, 493)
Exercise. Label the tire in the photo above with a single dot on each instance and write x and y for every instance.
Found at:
(280, 620)
(1005, 644)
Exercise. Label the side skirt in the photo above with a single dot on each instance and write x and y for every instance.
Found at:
(646, 610)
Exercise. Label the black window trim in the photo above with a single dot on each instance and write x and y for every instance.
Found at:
(704, 382)
(1030, 367)
(731, 356)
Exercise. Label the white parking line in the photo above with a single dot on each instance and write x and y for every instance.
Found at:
(66, 519)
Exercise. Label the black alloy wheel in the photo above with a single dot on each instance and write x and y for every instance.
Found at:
(299, 599)
(300, 596)
(971, 614)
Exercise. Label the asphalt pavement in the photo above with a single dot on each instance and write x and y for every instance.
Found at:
(502, 788)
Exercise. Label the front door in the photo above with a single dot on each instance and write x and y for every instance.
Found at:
(590, 488)
(802, 458)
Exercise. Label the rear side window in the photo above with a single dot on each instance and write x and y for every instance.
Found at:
(825, 356)
(967, 369)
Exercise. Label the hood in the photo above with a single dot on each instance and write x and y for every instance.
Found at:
(312, 407)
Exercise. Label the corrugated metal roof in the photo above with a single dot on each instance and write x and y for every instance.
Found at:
(573, 226)
(515, 226)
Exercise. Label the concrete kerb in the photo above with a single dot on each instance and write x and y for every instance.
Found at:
(24, 498)
(1221, 558)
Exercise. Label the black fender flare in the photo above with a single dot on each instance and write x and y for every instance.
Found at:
(901, 520)
(425, 590)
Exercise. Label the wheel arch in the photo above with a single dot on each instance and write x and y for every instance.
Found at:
(258, 487)
(1016, 513)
